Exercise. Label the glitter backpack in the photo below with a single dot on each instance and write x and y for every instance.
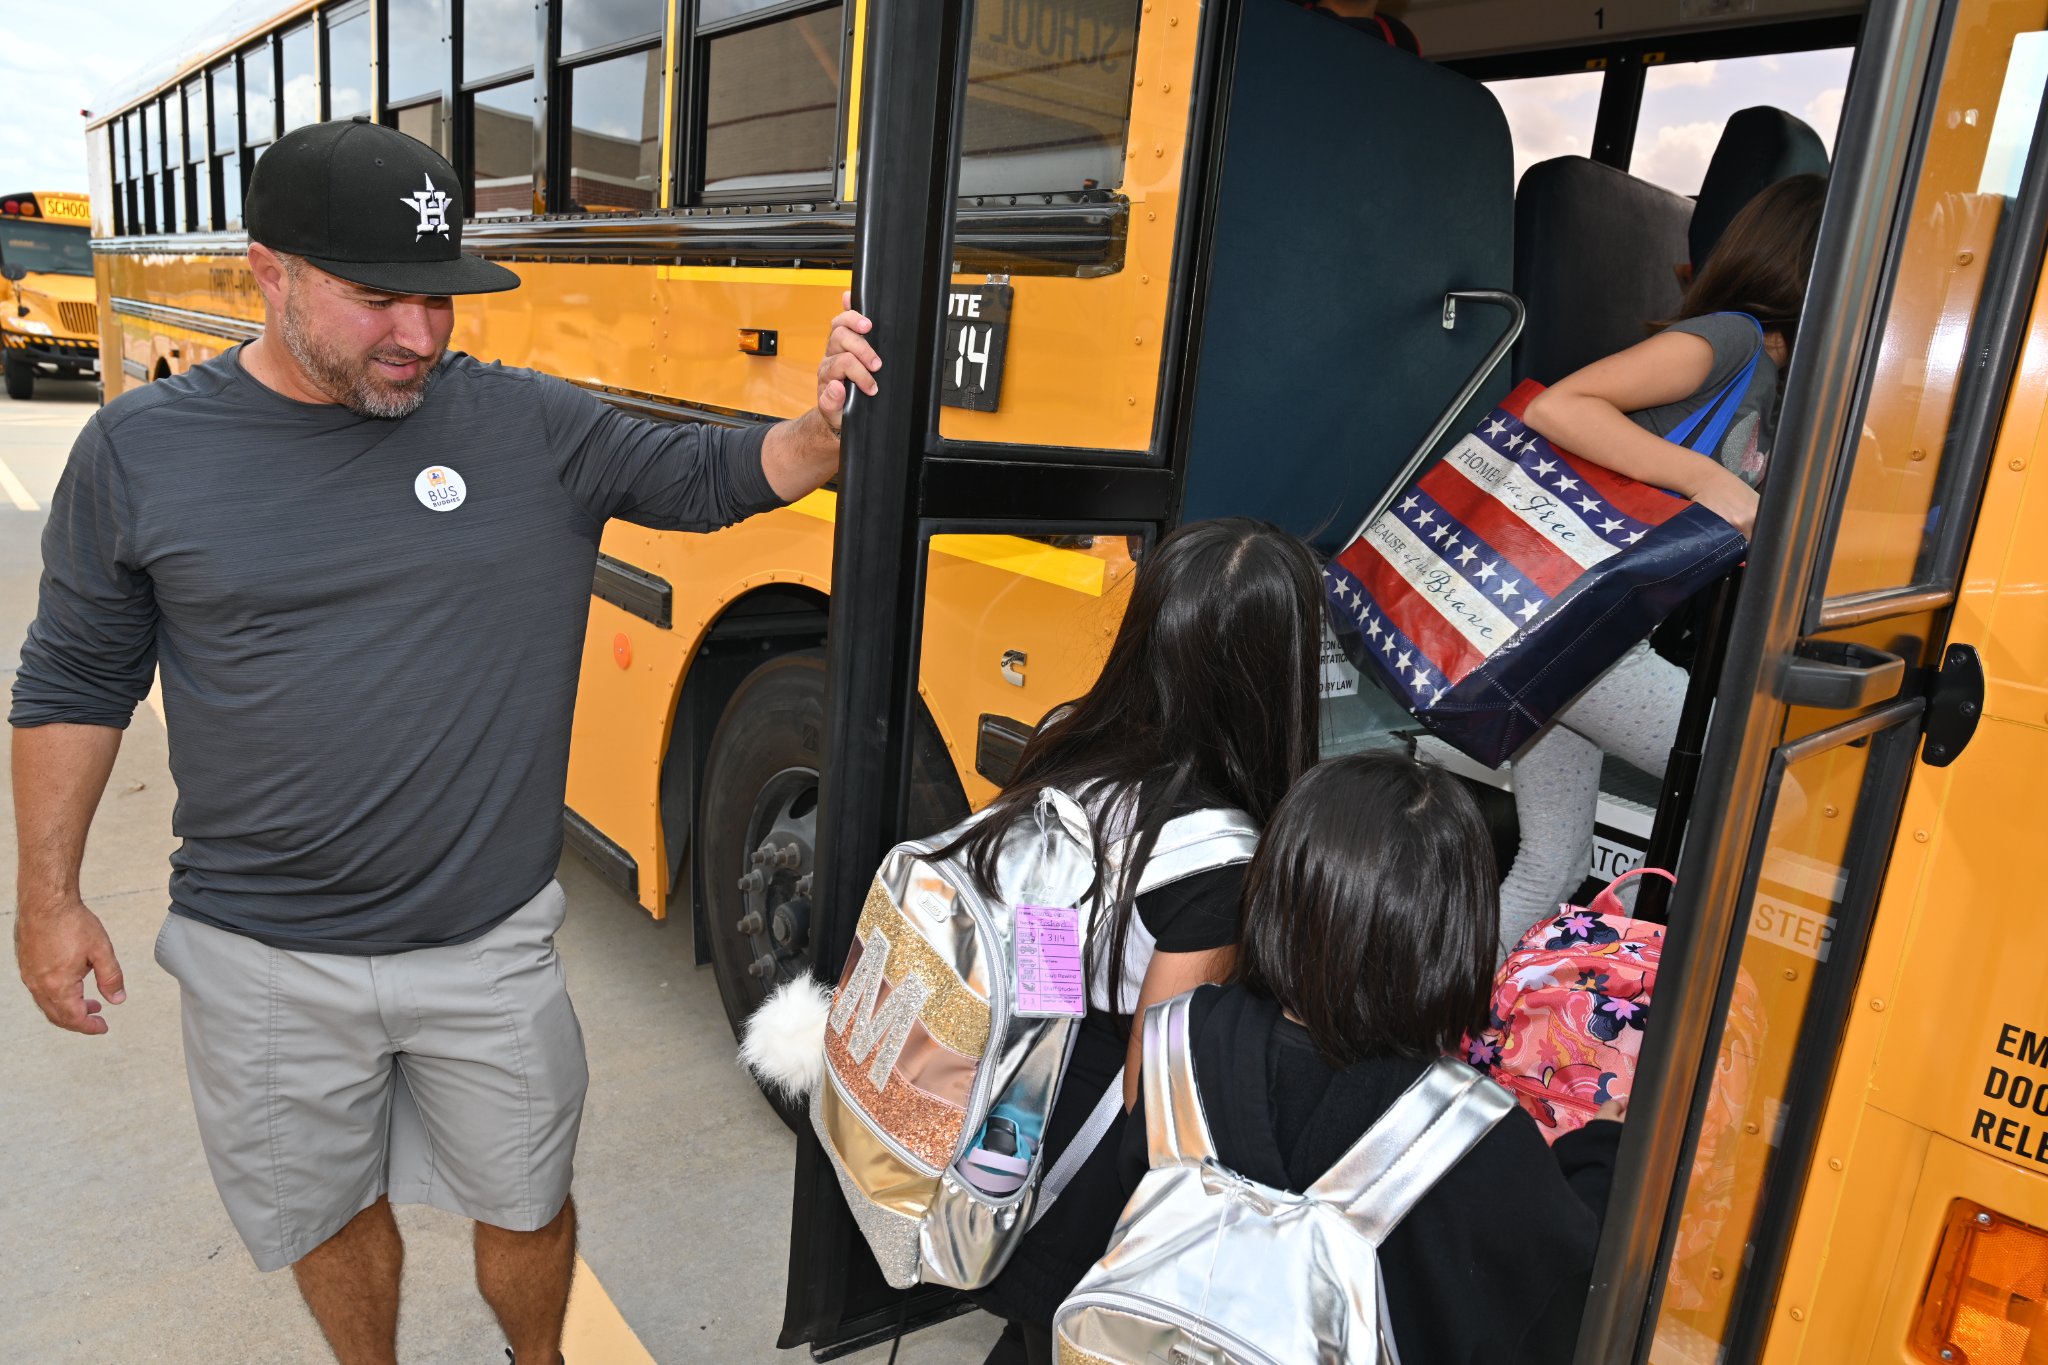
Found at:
(949, 1033)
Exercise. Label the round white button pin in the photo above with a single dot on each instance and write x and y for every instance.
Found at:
(439, 488)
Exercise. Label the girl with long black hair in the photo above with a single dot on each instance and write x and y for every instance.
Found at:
(1207, 700)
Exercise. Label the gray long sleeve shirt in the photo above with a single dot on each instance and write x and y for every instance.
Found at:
(369, 631)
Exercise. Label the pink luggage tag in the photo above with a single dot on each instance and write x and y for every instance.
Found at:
(1051, 981)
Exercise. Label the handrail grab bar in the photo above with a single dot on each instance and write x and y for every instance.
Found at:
(1517, 315)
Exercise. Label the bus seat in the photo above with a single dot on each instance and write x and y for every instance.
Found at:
(1358, 185)
(1596, 257)
(1759, 147)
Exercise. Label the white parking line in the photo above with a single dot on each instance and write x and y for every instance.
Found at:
(16, 490)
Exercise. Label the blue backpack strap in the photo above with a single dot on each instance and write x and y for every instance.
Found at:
(1703, 429)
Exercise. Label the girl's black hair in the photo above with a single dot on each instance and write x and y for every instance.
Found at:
(1208, 698)
(1371, 909)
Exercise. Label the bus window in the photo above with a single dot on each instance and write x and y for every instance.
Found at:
(614, 116)
(1929, 355)
(45, 248)
(199, 213)
(1685, 105)
(501, 168)
(771, 120)
(590, 24)
(171, 110)
(348, 62)
(227, 142)
(259, 95)
(301, 78)
(229, 189)
(1550, 116)
(612, 107)
(149, 153)
(417, 53)
(117, 158)
(1048, 95)
(2018, 106)
(423, 122)
(497, 38)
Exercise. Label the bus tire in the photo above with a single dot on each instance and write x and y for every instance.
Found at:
(21, 380)
(753, 852)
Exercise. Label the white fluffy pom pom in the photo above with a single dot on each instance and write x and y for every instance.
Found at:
(783, 1042)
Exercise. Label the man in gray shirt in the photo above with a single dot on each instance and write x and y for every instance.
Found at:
(361, 566)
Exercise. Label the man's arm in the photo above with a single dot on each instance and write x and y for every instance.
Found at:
(59, 773)
(698, 477)
(802, 453)
(85, 665)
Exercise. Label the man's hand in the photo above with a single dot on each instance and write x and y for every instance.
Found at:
(801, 454)
(848, 357)
(55, 946)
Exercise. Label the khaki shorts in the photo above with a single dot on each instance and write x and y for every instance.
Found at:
(447, 1076)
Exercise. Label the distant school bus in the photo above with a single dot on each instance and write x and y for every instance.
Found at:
(1229, 257)
(50, 325)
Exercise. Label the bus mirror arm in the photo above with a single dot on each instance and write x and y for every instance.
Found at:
(1517, 315)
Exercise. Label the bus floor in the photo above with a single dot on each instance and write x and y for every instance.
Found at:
(115, 1245)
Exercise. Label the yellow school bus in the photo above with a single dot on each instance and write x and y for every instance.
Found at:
(51, 326)
(1185, 259)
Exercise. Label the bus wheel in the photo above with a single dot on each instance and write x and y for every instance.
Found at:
(756, 834)
(21, 380)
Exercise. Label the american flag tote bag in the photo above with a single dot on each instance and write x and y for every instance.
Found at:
(1492, 589)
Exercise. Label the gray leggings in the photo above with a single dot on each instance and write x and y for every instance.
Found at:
(1630, 711)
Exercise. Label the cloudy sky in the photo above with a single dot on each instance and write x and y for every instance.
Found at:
(1684, 106)
(57, 58)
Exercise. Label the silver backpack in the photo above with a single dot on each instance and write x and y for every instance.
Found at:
(926, 1048)
(1209, 1268)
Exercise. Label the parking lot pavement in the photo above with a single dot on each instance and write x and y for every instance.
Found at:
(113, 1245)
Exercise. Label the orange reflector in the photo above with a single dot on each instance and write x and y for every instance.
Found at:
(1987, 1301)
(622, 650)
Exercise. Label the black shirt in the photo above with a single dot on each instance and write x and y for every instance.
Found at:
(369, 630)
(1196, 914)
(1491, 1265)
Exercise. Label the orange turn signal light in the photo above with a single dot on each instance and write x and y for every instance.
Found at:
(1986, 1302)
(757, 341)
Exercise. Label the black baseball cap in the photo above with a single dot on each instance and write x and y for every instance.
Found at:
(370, 205)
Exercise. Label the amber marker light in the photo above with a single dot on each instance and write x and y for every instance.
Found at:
(1986, 1302)
(757, 341)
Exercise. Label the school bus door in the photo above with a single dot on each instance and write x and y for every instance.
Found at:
(1839, 663)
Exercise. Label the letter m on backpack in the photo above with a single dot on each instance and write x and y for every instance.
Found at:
(877, 1027)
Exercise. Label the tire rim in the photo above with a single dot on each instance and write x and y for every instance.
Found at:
(775, 885)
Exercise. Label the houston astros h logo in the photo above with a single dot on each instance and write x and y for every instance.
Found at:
(432, 207)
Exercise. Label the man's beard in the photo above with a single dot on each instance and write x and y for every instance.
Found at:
(350, 383)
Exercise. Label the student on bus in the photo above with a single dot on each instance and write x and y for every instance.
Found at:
(1367, 952)
(1207, 699)
(1615, 413)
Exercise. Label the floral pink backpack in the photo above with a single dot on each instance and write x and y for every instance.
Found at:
(1569, 1005)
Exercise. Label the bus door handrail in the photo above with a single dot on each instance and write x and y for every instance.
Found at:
(1518, 313)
